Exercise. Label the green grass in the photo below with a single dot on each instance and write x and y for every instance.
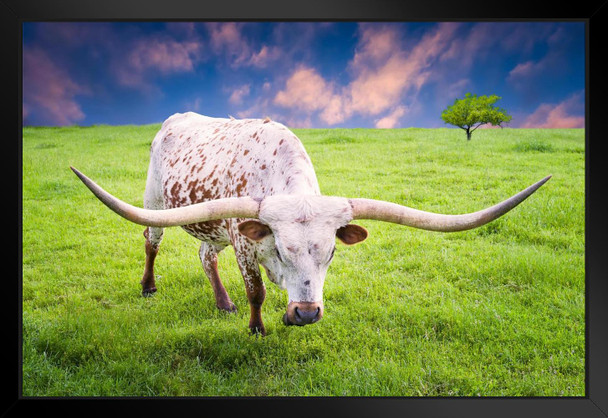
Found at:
(496, 311)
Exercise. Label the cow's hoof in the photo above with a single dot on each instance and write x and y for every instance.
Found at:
(257, 330)
(228, 307)
(148, 292)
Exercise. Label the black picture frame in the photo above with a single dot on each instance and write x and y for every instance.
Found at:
(593, 13)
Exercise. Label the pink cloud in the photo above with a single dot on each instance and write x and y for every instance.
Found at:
(382, 70)
(523, 73)
(49, 91)
(390, 121)
(156, 56)
(562, 115)
(265, 56)
(227, 39)
(375, 90)
(305, 90)
(239, 93)
(516, 37)
(465, 49)
(457, 88)
(166, 56)
(526, 70)
(522, 70)
(224, 34)
(375, 45)
(335, 110)
(294, 122)
(133, 63)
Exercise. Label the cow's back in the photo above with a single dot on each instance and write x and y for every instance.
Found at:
(198, 158)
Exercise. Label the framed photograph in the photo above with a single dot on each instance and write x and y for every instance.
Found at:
(348, 207)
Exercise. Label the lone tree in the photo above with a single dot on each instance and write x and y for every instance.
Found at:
(473, 111)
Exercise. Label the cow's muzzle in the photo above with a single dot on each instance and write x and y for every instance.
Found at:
(303, 313)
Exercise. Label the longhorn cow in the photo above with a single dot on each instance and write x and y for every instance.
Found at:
(250, 184)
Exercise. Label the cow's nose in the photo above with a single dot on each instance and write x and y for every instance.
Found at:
(303, 313)
(307, 317)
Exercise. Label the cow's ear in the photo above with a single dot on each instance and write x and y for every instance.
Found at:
(254, 230)
(351, 234)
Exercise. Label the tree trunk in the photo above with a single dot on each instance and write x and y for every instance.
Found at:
(469, 133)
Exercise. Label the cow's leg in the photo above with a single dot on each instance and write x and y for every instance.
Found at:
(153, 238)
(152, 200)
(256, 292)
(208, 254)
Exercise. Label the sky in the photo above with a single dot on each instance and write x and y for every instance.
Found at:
(302, 74)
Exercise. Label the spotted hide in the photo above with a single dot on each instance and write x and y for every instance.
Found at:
(195, 159)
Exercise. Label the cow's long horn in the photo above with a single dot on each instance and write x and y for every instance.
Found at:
(232, 207)
(391, 212)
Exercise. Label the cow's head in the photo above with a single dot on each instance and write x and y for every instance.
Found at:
(295, 234)
(295, 242)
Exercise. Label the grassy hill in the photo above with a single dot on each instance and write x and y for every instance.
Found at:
(496, 311)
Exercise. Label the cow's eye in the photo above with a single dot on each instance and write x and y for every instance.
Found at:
(278, 254)
(332, 254)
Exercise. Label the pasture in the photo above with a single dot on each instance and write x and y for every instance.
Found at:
(495, 311)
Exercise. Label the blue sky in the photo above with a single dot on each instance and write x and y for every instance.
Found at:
(303, 74)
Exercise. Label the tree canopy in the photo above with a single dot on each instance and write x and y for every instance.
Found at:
(473, 111)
